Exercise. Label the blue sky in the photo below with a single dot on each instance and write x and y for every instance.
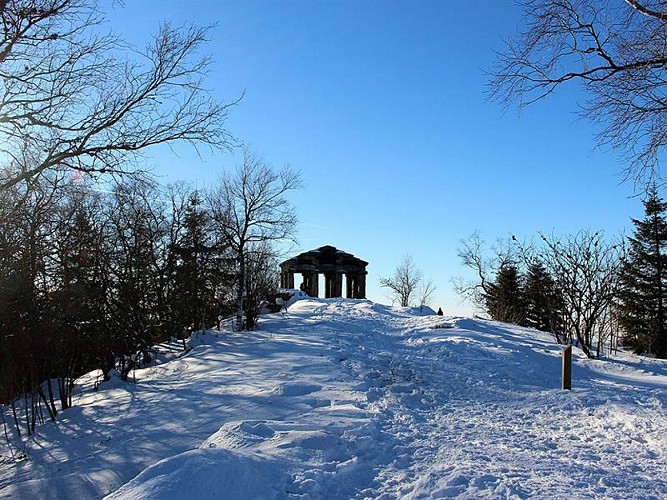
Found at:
(381, 105)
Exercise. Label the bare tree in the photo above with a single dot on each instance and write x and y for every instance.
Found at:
(471, 254)
(261, 280)
(425, 293)
(71, 98)
(485, 263)
(585, 268)
(249, 208)
(616, 49)
(26, 281)
(404, 282)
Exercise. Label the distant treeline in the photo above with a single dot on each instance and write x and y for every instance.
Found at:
(584, 288)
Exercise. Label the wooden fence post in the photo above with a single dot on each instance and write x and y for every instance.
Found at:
(567, 368)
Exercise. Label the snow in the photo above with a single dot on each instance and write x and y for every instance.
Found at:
(346, 399)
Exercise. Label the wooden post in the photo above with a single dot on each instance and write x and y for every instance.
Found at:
(567, 368)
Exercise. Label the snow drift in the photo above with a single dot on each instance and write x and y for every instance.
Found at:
(351, 399)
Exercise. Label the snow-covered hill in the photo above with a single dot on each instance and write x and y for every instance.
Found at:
(350, 399)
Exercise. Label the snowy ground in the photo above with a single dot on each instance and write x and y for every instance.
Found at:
(349, 399)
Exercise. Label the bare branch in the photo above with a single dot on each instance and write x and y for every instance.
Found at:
(617, 51)
(404, 282)
(644, 10)
(250, 210)
(75, 99)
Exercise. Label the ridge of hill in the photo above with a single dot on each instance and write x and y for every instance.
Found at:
(351, 399)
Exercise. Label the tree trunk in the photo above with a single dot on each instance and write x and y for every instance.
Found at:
(50, 402)
(240, 290)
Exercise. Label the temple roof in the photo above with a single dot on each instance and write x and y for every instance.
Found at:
(322, 259)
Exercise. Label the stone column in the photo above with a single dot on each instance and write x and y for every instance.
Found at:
(305, 283)
(287, 279)
(311, 283)
(349, 285)
(360, 283)
(337, 290)
(328, 285)
(356, 280)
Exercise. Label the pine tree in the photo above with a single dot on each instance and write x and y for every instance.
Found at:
(198, 271)
(643, 281)
(542, 300)
(77, 299)
(138, 226)
(504, 298)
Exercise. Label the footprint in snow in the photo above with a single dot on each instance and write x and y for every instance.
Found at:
(297, 389)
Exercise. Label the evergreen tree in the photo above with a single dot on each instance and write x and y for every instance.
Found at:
(198, 271)
(643, 281)
(542, 300)
(504, 298)
(138, 227)
(76, 315)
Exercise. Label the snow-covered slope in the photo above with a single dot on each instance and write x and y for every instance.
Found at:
(349, 399)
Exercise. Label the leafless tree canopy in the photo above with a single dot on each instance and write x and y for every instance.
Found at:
(472, 253)
(585, 267)
(405, 281)
(250, 210)
(426, 292)
(617, 49)
(73, 97)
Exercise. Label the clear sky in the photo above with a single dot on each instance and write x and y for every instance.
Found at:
(382, 107)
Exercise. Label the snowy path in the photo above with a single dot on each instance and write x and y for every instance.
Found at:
(349, 399)
(476, 411)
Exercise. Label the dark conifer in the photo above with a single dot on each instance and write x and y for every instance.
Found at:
(504, 298)
(190, 282)
(542, 300)
(643, 281)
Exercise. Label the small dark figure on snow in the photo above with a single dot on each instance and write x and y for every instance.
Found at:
(440, 311)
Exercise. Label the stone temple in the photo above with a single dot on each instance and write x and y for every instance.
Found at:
(334, 264)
